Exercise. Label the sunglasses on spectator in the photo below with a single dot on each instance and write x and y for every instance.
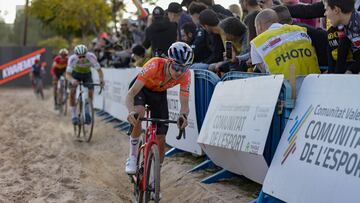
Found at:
(178, 67)
(81, 56)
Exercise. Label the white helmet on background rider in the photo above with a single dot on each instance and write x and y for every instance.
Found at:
(63, 52)
(80, 49)
(181, 53)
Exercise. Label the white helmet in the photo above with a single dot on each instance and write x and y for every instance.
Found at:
(181, 53)
(80, 49)
(64, 51)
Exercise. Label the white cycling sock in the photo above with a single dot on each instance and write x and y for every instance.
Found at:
(134, 145)
(73, 111)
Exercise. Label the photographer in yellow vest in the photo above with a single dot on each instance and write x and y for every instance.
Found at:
(278, 46)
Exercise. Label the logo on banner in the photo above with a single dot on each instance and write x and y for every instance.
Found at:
(19, 67)
(293, 133)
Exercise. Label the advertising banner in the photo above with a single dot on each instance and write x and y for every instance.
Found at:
(237, 123)
(318, 157)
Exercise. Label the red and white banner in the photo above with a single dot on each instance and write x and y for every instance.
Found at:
(19, 67)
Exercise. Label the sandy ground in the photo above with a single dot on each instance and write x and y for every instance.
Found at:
(40, 161)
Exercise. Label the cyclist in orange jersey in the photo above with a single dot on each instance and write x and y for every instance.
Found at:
(149, 87)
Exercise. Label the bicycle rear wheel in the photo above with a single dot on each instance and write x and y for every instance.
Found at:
(88, 128)
(153, 167)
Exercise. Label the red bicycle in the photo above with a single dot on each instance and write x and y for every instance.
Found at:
(148, 161)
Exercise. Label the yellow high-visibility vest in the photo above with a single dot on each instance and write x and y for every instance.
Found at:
(285, 46)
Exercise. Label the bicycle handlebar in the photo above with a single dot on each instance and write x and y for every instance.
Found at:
(94, 84)
(159, 120)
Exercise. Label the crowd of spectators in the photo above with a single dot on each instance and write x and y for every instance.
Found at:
(266, 36)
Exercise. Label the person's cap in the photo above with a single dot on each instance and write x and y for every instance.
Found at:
(174, 7)
(158, 12)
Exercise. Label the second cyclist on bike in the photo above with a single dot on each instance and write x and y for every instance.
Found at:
(79, 69)
(58, 69)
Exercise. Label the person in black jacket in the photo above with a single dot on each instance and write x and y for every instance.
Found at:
(210, 22)
(307, 11)
(160, 34)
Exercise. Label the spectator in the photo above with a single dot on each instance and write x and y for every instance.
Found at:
(178, 16)
(160, 34)
(139, 56)
(186, 3)
(209, 21)
(126, 39)
(236, 32)
(236, 11)
(273, 52)
(342, 12)
(138, 35)
(188, 32)
(266, 4)
(318, 36)
(195, 9)
(220, 11)
(337, 41)
(197, 39)
(201, 43)
(249, 6)
(252, 8)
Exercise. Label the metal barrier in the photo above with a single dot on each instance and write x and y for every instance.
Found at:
(205, 82)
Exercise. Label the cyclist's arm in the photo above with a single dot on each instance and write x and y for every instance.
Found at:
(184, 102)
(69, 69)
(134, 90)
(101, 75)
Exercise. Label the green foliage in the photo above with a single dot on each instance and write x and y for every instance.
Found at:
(5, 33)
(56, 43)
(72, 17)
(36, 30)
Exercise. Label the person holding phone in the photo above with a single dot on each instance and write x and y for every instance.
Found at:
(235, 43)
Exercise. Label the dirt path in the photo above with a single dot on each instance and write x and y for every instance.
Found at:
(41, 162)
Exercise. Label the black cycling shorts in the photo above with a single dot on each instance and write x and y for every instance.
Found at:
(84, 77)
(59, 72)
(158, 105)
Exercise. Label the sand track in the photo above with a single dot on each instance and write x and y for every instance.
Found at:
(41, 162)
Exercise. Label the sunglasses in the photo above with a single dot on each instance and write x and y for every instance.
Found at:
(178, 67)
(81, 56)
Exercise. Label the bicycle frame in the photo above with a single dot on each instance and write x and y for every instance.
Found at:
(150, 139)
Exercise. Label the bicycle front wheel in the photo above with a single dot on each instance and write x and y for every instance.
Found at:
(138, 194)
(152, 191)
(77, 128)
(88, 127)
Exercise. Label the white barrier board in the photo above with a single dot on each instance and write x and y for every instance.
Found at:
(188, 144)
(237, 123)
(318, 157)
(117, 85)
(98, 99)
